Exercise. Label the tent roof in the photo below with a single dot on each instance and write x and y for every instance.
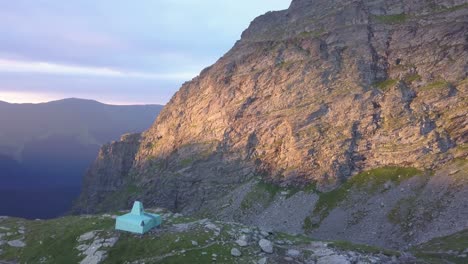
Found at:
(136, 215)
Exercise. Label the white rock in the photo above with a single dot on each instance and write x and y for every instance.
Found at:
(211, 226)
(245, 230)
(236, 252)
(82, 247)
(194, 243)
(266, 245)
(262, 261)
(110, 242)
(87, 236)
(293, 253)
(181, 227)
(333, 259)
(95, 258)
(241, 243)
(321, 252)
(16, 243)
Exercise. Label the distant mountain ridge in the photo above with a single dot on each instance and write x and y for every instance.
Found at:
(48, 146)
(90, 121)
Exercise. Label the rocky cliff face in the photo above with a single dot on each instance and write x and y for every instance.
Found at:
(109, 174)
(310, 96)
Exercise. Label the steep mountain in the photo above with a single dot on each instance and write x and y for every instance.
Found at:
(46, 148)
(342, 119)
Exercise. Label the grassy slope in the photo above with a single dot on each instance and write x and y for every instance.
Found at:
(368, 181)
(448, 248)
(55, 241)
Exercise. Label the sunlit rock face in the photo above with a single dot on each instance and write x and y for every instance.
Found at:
(312, 94)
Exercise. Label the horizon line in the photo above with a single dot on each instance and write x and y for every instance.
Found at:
(81, 99)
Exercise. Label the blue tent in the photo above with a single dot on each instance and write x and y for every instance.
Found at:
(137, 221)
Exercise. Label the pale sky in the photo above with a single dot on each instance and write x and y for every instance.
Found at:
(115, 51)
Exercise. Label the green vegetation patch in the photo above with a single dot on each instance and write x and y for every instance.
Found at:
(118, 199)
(312, 34)
(402, 213)
(436, 85)
(132, 247)
(392, 19)
(176, 247)
(448, 248)
(369, 181)
(412, 78)
(262, 193)
(53, 241)
(385, 85)
(450, 9)
(186, 162)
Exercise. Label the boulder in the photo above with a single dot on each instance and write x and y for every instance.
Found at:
(266, 245)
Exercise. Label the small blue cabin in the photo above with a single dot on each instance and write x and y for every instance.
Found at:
(137, 221)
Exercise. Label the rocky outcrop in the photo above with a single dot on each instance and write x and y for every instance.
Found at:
(311, 95)
(108, 174)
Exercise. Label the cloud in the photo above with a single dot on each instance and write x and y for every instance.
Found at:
(117, 50)
(9, 66)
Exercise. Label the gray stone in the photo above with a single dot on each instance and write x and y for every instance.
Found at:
(94, 258)
(16, 243)
(262, 261)
(333, 259)
(245, 230)
(320, 252)
(110, 242)
(241, 242)
(194, 243)
(294, 253)
(266, 245)
(236, 252)
(82, 247)
(87, 236)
